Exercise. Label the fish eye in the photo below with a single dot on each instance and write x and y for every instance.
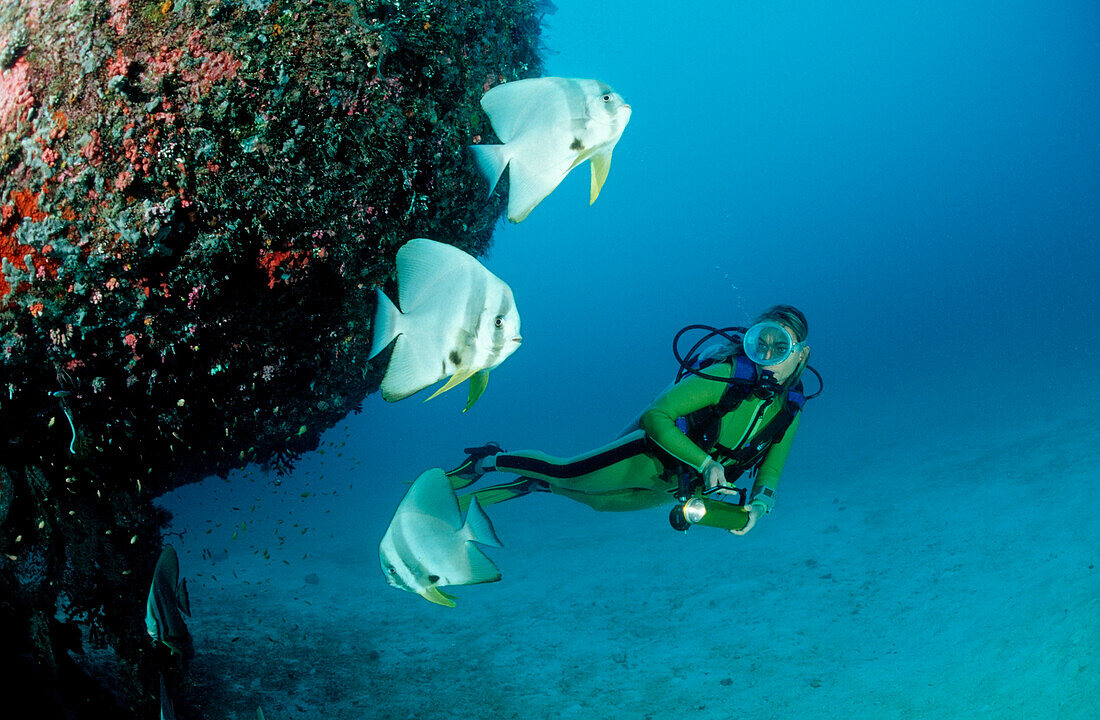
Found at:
(392, 569)
(499, 321)
(606, 97)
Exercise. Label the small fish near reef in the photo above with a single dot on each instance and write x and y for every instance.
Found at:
(455, 319)
(168, 602)
(549, 126)
(427, 543)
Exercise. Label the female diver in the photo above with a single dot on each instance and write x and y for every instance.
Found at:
(733, 412)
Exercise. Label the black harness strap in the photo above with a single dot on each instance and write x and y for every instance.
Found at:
(752, 453)
(704, 428)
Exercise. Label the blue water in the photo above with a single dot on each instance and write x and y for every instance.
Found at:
(921, 179)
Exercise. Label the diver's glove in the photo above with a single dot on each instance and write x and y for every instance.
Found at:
(714, 474)
(755, 511)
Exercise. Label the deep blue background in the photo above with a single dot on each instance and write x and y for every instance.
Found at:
(920, 178)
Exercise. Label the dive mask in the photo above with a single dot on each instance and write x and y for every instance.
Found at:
(769, 343)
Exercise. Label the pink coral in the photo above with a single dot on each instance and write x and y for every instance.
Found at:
(93, 151)
(202, 76)
(15, 95)
(123, 180)
(120, 15)
(119, 64)
(215, 68)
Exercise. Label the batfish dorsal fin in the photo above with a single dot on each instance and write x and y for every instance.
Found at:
(421, 264)
(508, 105)
(432, 494)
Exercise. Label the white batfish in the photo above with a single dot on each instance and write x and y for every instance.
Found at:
(549, 126)
(167, 602)
(428, 545)
(456, 319)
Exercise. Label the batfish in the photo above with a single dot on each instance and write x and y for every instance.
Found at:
(456, 319)
(168, 602)
(549, 126)
(427, 543)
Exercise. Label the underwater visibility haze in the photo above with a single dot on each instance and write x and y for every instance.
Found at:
(920, 179)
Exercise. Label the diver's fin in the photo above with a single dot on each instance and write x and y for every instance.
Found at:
(601, 163)
(491, 161)
(505, 491)
(467, 473)
(460, 375)
(478, 382)
(386, 321)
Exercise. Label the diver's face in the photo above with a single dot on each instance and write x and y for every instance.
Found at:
(783, 370)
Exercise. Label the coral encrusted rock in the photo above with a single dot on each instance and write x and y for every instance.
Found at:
(198, 200)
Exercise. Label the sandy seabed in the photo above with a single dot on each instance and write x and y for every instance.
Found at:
(899, 583)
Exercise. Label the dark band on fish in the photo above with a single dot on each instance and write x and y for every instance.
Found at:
(472, 314)
(499, 333)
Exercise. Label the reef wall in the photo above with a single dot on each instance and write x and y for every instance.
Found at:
(198, 199)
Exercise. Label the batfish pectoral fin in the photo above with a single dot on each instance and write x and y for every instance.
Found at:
(478, 382)
(434, 594)
(601, 163)
(460, 375)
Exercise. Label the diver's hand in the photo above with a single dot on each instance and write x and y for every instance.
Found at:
(754, 512)
(714, 475)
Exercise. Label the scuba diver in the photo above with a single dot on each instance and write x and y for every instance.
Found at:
(734, 408)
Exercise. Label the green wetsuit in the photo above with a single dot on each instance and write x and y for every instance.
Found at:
(630, 473)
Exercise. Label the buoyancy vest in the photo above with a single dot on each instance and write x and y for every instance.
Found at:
(704, 426)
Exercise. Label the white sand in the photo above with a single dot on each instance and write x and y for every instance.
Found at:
(893, 581)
